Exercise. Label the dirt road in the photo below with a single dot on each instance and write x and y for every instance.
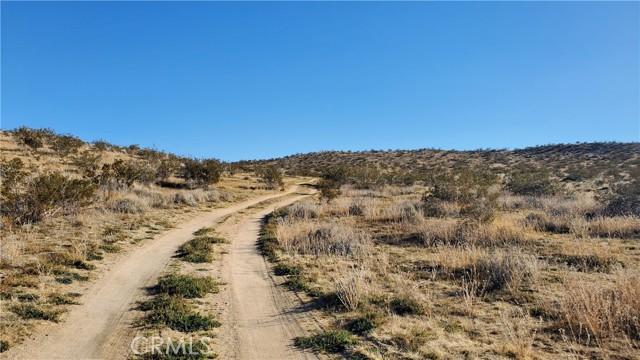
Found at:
(262, 321)
(92, 330)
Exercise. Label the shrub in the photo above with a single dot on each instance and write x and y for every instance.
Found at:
(532, 183)
(177, 314)
(588, 262)
(87, 163)
(12, 173)
(625, 201)
(350, 289)
(127, 205)
(33, 138)
(166, 168)
(405, 305)
(328, 341)
(283, 269)
(63, 299)
(198, 250)
(320, 239)
(465, 185)
(589, 310)
(271, 176)
(66, 144)
(363, 324)
(500, 271)
(4, 346)
(46, 195)
(186, 286)
(123, 173)
(202, 172)
(32, 311)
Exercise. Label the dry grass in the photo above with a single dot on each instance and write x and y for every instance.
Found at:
(450, 286)
(594, 313)
(316, 238)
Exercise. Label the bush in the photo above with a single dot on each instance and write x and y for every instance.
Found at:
(271, 176)
(31, 311)
(405, 305)
(33, 138)
(363, 324)
(124, 173)
(624, 202)
(328, 341)
(66, 144)
(532, 183)
(12, 173)
(202, 172)
(186, 286)
(177, 314)
(46, 195)
(198, 250)
(87, 163)
(127, 205)
(590, 311)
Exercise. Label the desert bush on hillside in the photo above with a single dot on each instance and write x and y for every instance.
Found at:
(271, 176)
(532, 182)
(12, 172)
(87, 163)
(123, 173)
(624, 201)
(66, 144)
(166, 168)
(33, 138)
(465, 185)
(102, 145)
(202, 172)
(46, 195)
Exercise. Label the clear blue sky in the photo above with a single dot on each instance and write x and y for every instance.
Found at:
(255, 80)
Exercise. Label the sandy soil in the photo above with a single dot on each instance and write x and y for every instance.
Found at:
(100, 327)
(262, 319)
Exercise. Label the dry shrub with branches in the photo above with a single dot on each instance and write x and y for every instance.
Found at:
(595, 312)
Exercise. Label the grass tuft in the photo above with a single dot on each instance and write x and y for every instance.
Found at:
(328, 341)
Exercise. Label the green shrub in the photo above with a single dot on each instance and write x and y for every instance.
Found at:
(87, 163)
(66, 144)
(198, 250)
(363, 324)
(202, 173)
(4, 346)
(333, 341)
(625, 201)
(186, 286)
(404, 305)
(63, 299)
(12, 173)
(176, 313)
(47, 195)
(271, 176)
(33, 138)
(124, 173)
(32, 311)
(282, 269)
(532, 183)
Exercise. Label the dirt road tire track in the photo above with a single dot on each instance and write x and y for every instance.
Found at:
(262, 321)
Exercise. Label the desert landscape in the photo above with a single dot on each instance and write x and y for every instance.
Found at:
(368, 255)
(280, 180)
